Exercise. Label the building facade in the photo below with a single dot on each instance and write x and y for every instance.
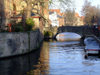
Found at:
(13, 9)
(56, 17)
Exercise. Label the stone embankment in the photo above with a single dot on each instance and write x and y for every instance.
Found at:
(17, 43)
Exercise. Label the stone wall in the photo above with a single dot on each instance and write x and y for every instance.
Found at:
(16, 43)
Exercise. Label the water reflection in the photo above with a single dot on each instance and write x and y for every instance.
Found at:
(43, 63)
(68, 59)
(54, 58)
(19, 65)
(35, 63)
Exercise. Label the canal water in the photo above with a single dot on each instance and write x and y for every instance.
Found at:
(53, 58)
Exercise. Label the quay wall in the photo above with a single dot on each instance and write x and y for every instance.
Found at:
(17, 43)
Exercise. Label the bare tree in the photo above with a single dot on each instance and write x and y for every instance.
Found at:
(91, 13)
(69, 17)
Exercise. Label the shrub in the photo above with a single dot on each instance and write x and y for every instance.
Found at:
(29, 24)
(47, 33)
(18, 27)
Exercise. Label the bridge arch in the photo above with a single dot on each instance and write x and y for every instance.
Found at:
(81, 30)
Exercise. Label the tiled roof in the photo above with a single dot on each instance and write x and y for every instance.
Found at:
(77, 15)
(55, 10)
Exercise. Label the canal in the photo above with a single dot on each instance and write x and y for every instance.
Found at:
(53, 58)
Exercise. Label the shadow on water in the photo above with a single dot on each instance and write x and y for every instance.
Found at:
(35, 63)
(19, 65)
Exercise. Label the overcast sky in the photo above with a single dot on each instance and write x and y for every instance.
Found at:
(77, 4)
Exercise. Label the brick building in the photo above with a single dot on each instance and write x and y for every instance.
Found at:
(12, 9)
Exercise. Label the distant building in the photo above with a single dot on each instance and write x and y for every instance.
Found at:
(56, 17)
(61, 19)
(79, 21)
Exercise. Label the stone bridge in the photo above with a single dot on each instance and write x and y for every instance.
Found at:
(82, 30)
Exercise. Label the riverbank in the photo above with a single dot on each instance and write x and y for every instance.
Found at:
(18, 43)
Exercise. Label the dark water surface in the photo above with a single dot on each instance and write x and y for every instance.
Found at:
(54, 58)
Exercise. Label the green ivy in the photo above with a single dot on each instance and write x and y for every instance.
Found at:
(29, 24)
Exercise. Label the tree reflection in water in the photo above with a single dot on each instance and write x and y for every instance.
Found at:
(42, 68)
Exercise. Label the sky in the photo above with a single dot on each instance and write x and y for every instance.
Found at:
(77, 4)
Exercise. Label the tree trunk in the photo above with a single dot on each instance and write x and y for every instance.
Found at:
(3, 16)
(29, 8)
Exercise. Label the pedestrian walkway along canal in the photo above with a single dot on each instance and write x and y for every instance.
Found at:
(54, 58)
